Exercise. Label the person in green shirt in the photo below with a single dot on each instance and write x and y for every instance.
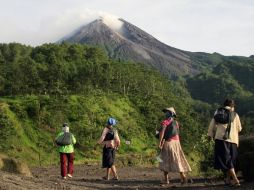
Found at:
(66, 153)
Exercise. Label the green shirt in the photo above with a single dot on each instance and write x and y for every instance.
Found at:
(67, 148)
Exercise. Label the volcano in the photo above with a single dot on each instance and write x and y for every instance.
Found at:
(124, 41)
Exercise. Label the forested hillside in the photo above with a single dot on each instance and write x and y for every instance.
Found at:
(231, 77)
(45, 86)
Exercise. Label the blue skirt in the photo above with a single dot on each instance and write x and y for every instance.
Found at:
(225, 154)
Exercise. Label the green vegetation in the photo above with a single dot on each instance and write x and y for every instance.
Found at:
(232, 78)
(43, 87)
(246, 153)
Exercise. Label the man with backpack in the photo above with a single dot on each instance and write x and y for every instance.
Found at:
(65, 141)
(224, 128)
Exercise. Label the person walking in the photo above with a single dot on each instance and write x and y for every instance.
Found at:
(171, 155)
(224, 128)
(110, 141)
(65, 141)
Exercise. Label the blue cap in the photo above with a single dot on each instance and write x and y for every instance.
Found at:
(111, 121)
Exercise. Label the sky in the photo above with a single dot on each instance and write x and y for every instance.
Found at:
(222, 26)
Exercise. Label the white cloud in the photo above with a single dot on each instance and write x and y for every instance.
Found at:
(224, 26)
(112, 21)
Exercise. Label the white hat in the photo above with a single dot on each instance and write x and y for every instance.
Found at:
(171, 109)
(65, 128)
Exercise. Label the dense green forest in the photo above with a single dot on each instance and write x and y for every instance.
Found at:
(233, 78)
(45, 86)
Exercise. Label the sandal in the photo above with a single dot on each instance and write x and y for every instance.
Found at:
(115, 178)
(105, 178)
(235, 184)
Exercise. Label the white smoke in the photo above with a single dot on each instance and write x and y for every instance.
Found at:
(67, 22)
(60, 25)
(182, 24)
(112, 21)
(53, 27)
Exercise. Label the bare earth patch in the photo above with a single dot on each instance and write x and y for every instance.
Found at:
(90, 177)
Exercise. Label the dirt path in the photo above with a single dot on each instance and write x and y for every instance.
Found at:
(89, 177)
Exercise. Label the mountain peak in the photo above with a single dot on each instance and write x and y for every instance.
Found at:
(112, 22)
(109, 22)
(123, 40)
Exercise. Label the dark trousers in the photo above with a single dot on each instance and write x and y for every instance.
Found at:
(66, 160)
(225, 155)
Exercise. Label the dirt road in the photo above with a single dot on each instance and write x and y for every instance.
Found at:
(90, 177)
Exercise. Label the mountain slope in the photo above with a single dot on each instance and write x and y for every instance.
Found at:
(125, 41)
(232, 78)
(45, 86)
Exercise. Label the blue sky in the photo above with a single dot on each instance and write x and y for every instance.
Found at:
(223, 26)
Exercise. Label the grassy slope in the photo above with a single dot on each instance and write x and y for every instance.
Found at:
(30, 125)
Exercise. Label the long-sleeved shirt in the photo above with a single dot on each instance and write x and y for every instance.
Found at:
(109, 143)
(218, 130)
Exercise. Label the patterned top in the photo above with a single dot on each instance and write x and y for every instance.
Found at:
(164, 124)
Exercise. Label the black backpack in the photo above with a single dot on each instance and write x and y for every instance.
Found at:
(222, 115)
(64, 139)
(110, 135)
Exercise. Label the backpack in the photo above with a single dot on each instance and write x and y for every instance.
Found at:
(222, 115)
(64, 139)
(110, 135)
(228, 129)
(171, 130)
